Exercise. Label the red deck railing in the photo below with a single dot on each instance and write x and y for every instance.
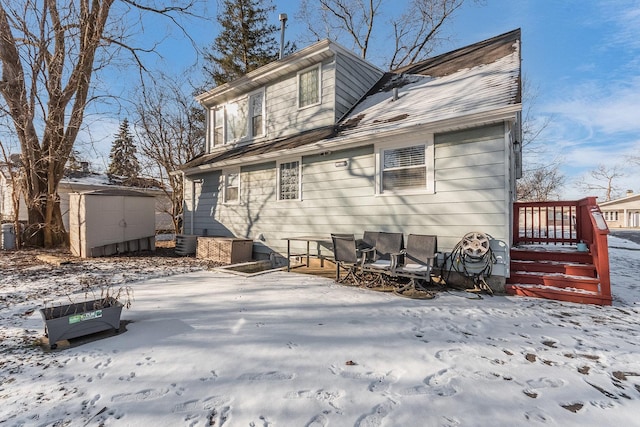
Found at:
(565, 223)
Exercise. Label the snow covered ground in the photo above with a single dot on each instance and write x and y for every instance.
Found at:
(284, 349)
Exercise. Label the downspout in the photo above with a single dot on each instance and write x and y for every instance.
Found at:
(193, 204)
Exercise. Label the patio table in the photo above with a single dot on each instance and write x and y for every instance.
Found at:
(317, 239)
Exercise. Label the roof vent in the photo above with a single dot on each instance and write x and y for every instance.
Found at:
(395, 94)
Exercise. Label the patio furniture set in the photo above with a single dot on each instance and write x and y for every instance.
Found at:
(380, 260)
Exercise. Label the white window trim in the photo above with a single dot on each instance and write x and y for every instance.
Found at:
(225, 174)
(211, 125)
(319, 67)
(278, 164)
(428, 142)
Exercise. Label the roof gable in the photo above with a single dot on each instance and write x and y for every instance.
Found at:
(271, 72)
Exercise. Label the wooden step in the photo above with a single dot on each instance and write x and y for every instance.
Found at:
(558, 280)
(560, 254)
(558, 294)
(537, 266)
(590, 284)
(574, 269)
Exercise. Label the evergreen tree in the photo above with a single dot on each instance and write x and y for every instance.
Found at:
(247, 41)
(123, 154)
(74, 164)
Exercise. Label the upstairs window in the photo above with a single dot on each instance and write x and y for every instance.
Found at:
(256, 114)
(235, 120)
(238, 120)
(309, 87)
(289, 180)
(218, 126)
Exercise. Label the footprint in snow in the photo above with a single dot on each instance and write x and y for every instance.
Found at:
(140, 396)
(318, 421)
(377, 415)
(267, 376)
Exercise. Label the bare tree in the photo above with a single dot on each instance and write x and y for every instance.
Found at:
(416, 30)
(541, 179)
(49, 54)
(604, 179)
(171, 132)
(541, 184)
(335, 18)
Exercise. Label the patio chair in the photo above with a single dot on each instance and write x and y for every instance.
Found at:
(345, 255)
(376, 262)
(419, 259)
(367, 242)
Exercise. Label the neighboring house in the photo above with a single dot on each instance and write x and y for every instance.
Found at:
(623, 212)
(321, 141)
(81, 181)
(6, 197)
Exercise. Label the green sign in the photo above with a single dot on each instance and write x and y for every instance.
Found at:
(77, 318)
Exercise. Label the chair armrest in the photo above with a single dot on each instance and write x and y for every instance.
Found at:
(395, 257)
(366, 254)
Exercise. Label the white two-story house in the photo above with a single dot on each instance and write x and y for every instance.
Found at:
(321, 142)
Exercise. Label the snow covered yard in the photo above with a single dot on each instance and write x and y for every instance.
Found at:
(210, 348)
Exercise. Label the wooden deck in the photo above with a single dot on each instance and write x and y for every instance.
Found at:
(314, 268)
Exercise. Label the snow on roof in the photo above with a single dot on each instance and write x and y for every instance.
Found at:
(425, 99)
(83, 181)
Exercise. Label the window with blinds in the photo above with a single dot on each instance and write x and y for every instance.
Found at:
(404, 168)
(289, 180)
(309, 87)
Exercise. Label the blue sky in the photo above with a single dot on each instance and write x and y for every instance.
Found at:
(581, 57)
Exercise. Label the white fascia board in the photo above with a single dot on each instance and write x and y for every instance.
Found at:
(365, 138)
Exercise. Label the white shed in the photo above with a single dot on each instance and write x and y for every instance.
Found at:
(106, 222)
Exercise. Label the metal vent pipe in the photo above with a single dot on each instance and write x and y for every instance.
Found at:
(283, 21)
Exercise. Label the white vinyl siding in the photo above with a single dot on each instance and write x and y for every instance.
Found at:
(309, 87)
(289, 182)
(339, 196)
